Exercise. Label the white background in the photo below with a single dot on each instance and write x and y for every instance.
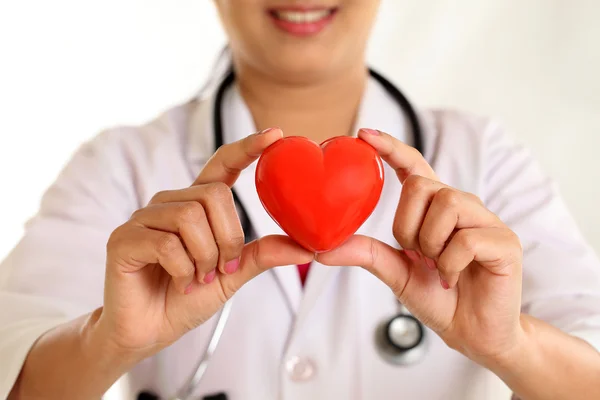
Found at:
(71, 68)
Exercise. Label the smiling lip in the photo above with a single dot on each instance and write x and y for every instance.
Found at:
(302, 21)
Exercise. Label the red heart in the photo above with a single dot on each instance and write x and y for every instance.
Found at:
(319, 195)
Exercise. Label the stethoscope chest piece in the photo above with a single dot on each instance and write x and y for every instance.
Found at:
(401, 340)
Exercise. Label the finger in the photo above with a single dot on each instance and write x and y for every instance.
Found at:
(225, 224)
(224, 221)
(263, 254)
(496, 249)
(451, 209)
(192, 193)
(189, 220)
(229, 160)
(388, 264)
(140, 246)
(405, 160)
(417, 195)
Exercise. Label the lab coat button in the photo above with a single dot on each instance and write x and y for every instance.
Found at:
(300, 369)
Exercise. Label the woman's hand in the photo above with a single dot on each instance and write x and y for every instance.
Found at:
(460, 270)
(169, 269)
(180, 258)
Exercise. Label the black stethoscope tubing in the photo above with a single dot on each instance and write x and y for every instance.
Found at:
(398, 96)
(417, 132)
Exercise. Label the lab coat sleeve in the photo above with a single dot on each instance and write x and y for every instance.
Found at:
(56, 272)
(561, 272)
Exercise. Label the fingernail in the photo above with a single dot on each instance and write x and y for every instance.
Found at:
(265, 131)
(371, 131)
(188, 289)
(444, 283)
(208, 278)
(414, 257)
(430, 263)
(232, 266)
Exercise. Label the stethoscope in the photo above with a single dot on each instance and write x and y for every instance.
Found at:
(400, 340)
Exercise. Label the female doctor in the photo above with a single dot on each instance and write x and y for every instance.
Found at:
(139, 244)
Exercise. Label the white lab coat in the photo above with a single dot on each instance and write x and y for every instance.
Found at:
(283, 341)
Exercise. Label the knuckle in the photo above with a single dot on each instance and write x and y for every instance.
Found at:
(184, 271)
(235, 243)
(209, 257)
(222, 150)
(118, 247)
(416, 153)
(449, 198)
(167, 244)
(136, 213)
(514, 238)
(256, 257)
(218, 190)
(191, 212)
(160, 196)
(117, 237)
(189, 270)
(475, 198)
(516, 245)
(372, 252)
(427, 244)
(415, 183)
(466, 240)
(403, 237)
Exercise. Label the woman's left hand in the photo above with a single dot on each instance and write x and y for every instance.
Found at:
(460, 270)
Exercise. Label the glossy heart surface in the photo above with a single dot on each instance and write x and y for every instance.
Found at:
(319, 194)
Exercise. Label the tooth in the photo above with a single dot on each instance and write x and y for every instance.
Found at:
(302, 17)
(315, 15)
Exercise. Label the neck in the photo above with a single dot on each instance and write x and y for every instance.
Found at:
(317, 110)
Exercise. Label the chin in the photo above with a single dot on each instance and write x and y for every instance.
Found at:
(298, 67)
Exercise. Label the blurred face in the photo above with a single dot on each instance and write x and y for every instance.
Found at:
(298, 40)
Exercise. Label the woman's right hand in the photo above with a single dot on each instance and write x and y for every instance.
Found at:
(179, 259)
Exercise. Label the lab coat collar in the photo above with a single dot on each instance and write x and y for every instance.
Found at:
(377, 110)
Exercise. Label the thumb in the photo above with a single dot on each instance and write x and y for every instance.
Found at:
(388, 264)
(230, 159)
(263, 254)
